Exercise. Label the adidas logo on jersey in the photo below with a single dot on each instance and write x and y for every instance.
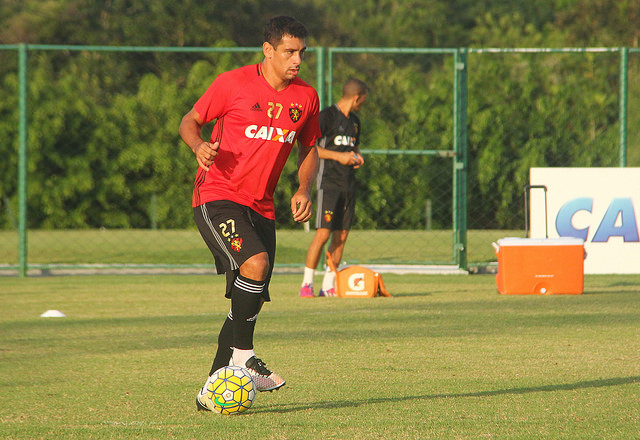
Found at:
(256, 108)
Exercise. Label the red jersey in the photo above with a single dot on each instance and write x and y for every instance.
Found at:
(256, 127)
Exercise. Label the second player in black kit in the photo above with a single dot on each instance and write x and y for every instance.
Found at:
(337, 182)
(341, 134)
(336, 200)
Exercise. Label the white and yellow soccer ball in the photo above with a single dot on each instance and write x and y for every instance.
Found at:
(230, 390)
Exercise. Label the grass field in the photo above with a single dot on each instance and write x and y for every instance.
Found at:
(139, 246)
(446, 358)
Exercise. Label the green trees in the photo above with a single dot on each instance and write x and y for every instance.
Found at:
(103, 144)
(534, 110)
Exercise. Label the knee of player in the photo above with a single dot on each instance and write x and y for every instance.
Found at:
(256, 267)
(322, 235)
(339, 237)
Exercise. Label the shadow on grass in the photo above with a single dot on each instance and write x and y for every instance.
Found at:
(603, 290)
(286, 408)
(400, 295)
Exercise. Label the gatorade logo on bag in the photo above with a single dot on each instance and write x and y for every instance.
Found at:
(357, 282)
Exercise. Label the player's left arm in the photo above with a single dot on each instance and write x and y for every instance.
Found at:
(356, 149)
(301, 205)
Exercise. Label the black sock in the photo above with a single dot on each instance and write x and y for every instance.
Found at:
(225, 345)
(246, 296)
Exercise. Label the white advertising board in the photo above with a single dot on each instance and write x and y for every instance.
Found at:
(599, 205)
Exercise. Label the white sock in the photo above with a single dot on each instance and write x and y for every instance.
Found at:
(329, 281)
(240, 357)
(308, 276)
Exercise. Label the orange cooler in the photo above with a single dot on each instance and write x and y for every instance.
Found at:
(540, 266)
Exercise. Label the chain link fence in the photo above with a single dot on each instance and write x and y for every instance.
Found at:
(108, 181)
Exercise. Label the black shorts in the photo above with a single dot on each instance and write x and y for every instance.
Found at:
(234, 233)
(335, 210)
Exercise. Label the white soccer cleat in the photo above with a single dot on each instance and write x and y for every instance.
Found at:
(265, 379)
(203, 402)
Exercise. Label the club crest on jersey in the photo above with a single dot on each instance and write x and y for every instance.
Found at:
(236, 244)
(295, 112)
(328, 215)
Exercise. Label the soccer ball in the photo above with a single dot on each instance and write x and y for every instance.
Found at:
(230, 390)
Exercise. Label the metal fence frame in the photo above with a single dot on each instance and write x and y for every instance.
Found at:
(325, 63)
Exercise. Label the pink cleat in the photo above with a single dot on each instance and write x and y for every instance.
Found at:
(306, 291)
(328, 292)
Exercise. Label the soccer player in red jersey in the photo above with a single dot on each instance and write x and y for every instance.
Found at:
(261, 110)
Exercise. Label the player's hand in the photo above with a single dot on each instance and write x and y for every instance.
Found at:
(301, 206)
(360, 160)
(349, 158)
(206, 153)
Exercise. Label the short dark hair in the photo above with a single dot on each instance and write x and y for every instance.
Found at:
(354, 87)
(283, 25)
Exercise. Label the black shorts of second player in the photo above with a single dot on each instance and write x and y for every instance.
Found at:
(234, 233)
(336, 209)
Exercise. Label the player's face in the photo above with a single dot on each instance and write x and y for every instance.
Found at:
(287, 57)
(357, 104)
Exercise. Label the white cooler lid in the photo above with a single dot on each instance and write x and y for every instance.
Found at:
(559, 241)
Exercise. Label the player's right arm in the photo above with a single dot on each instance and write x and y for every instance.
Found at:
(190, 131)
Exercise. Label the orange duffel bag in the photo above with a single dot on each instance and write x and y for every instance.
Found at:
(357, 282)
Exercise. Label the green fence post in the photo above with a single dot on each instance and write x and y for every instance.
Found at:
(460, 161)
(329, 94)
(22, 162)
(153, 211)
(320, 77)
(624, 92)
